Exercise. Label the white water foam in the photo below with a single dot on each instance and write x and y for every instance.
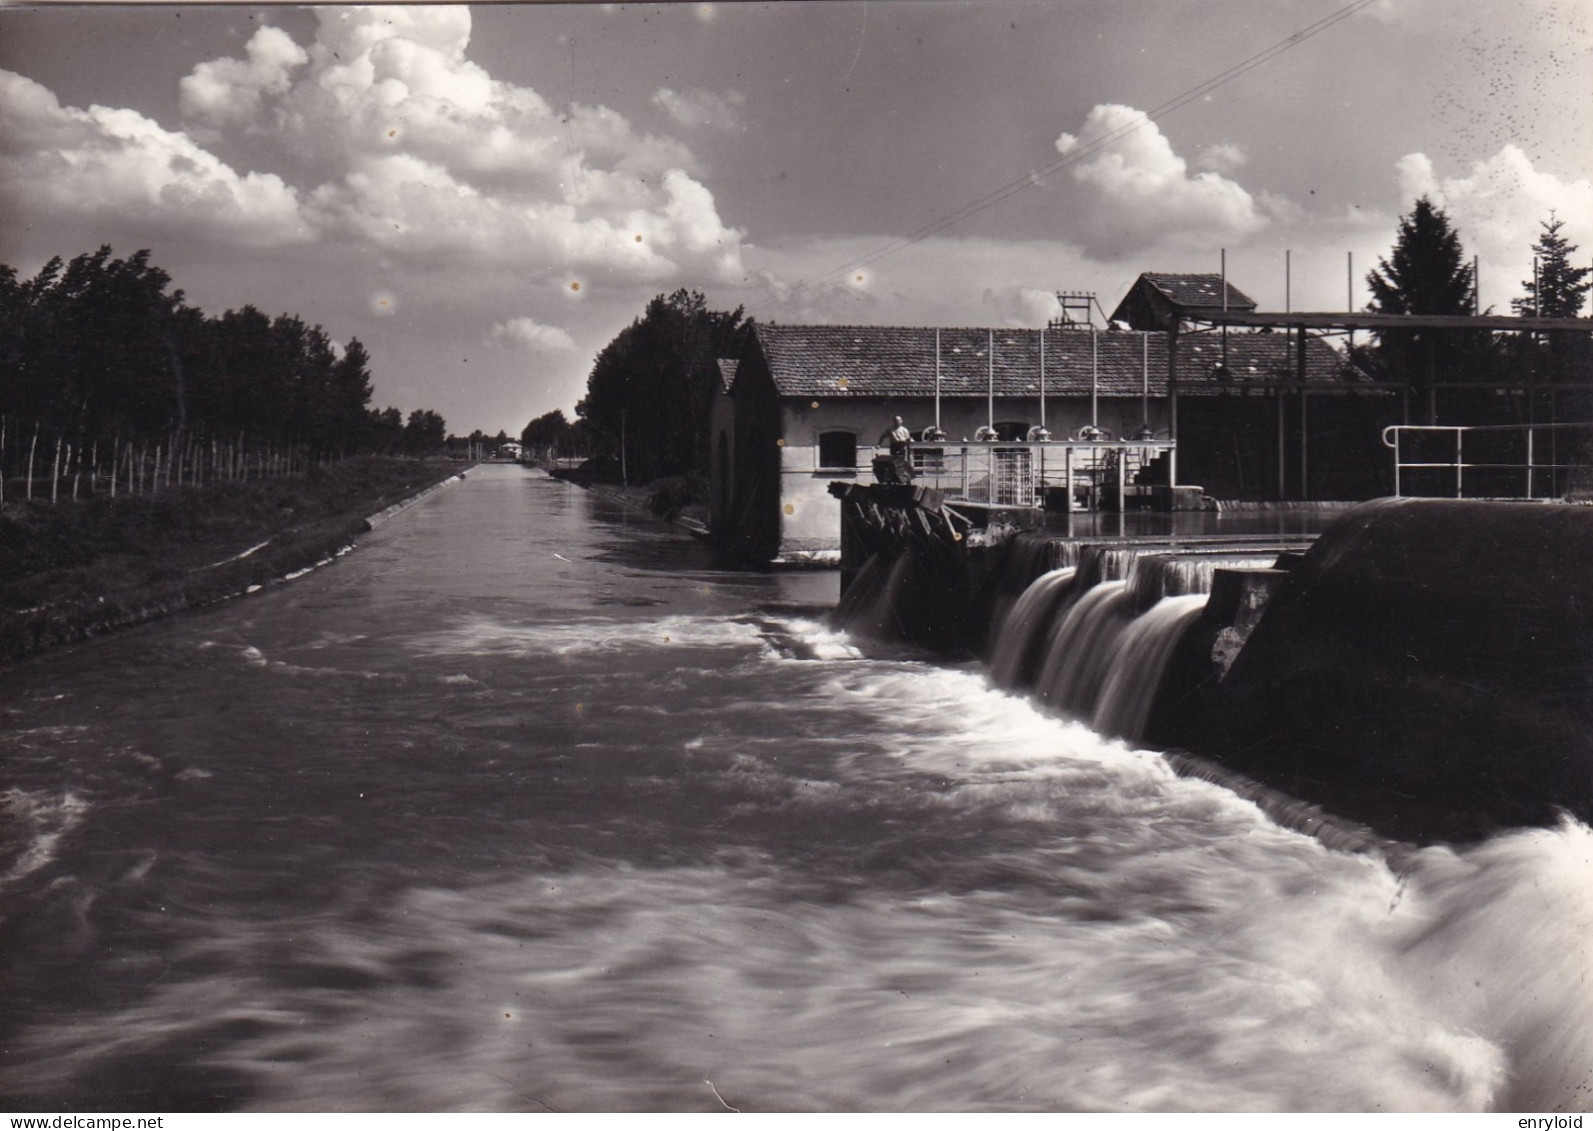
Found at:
(485, 636)
(1501, 938)
(37, 823)
(613, 988)
(252, 656)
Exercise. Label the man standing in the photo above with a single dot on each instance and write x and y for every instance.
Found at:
(901, 442)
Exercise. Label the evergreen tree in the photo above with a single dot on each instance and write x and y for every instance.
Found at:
(1557, 289)
(1427, 274)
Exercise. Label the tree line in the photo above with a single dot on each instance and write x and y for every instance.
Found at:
(1428, 272)
(111, 378)
(645, 413)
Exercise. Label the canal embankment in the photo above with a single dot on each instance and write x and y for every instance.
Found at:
(675, 500)
(70, 570)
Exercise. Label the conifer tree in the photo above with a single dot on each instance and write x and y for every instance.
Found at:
(1556, 290)
(1427, 274)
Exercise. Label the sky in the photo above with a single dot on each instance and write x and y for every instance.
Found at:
(484, 196)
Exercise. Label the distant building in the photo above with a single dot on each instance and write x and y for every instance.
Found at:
(1156, 298)
(803, 406)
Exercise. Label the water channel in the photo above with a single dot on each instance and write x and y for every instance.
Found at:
(523, 806)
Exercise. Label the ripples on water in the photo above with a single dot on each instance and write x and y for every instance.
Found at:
(522, 807)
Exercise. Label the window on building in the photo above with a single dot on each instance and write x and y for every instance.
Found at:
(837, 451)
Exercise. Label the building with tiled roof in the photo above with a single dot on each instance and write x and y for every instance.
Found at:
(1156, 298)
(809, 403)
(916, 362)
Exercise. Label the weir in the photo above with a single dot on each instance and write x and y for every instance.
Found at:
(1422, 667)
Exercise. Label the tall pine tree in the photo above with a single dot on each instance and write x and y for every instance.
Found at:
(1556, 290)
(1427, 274)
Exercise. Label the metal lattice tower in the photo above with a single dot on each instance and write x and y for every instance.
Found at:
(1077, 310)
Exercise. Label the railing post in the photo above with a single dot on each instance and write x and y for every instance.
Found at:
(1460, 488)
(1529, 462)
(1068, 487)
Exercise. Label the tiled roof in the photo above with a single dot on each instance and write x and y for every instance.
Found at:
(1198, 290)
(898, 361)
(727, 371)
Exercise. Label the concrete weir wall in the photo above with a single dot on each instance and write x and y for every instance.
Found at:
(1424, 668)
(1427, 667)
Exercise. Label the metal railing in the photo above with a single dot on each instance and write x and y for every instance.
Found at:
(1498, 456)
(1064, 474)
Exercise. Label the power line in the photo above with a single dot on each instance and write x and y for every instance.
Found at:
(1079, 153)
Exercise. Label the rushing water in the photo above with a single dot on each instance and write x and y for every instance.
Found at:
(521, 806)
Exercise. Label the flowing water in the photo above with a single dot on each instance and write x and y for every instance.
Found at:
(522, 806)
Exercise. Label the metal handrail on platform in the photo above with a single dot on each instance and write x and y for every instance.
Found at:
(1529, 465)
(1020, 473)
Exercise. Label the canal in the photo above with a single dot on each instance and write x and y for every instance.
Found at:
(523, 806)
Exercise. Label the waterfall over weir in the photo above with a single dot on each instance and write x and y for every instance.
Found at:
(1422, 666)
(1093, 641)
(1090, 629)
(1128, 690)
(1023, 630)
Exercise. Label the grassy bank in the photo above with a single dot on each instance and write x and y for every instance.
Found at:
(76, 569)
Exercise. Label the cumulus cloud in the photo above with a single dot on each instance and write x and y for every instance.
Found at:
(1141, 194)
(384, 132)
(419, 150)
(1224, 158)
(66, 164)
(942, 280)
(229, 91)
(699, 107)
(1021, 306)
(531, 336)
(1500, 201)
(1498, 206)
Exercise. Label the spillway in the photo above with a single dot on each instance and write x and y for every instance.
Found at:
(1423, 666)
